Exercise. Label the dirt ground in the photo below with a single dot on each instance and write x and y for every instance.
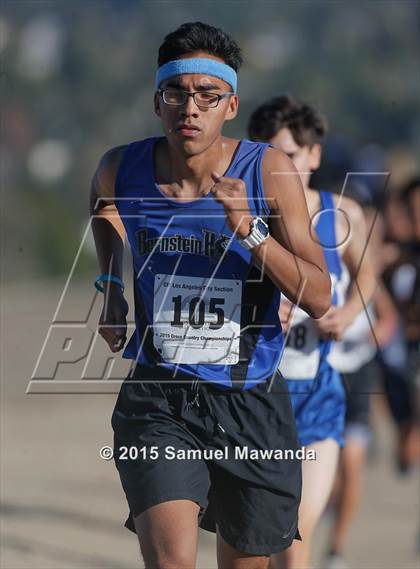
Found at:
(62, 505)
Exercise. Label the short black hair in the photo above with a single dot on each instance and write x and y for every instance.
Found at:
(196, 36)
(306, 124)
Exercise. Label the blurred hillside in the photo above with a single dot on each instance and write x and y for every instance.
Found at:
(77, 78)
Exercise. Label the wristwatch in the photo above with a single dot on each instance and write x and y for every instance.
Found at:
(258, 234)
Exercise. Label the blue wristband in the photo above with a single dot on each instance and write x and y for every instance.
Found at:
(107, 278)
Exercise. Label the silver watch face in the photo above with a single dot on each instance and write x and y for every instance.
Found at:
(259, 233)
(261, 227)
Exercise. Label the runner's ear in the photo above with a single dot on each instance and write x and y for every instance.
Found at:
(315, 156)
(232, 110)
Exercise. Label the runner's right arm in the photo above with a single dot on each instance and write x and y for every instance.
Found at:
(109, 235)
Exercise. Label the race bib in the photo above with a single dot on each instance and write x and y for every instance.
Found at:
(197, 320)
(301, 353)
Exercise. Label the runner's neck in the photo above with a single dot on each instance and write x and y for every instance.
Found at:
(190, 177)
(313, 200)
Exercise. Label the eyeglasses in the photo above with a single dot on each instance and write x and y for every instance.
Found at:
(204, 99)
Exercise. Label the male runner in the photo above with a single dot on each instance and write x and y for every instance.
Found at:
(207, 276)
(316, 391)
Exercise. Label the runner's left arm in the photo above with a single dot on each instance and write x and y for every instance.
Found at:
(357, 259)
(291, 257)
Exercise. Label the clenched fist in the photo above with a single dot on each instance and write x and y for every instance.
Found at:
(334, 323)
(231, 193)
(285, 313)
(113, 319)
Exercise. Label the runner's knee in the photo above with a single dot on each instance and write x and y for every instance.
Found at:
(160, 553)
(166, 543)
(175, 558)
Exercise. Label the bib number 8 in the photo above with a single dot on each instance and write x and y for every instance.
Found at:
(197, 312)
(297, 337)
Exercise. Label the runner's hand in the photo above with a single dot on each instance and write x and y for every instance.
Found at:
(231, 193)
(285, 313)
(334, 323)
(113, 321)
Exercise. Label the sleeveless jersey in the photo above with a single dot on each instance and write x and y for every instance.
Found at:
(315, 388)
(201, 306)
(305, 352)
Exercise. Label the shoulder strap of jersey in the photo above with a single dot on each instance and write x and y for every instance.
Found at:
(263, 208)
(134, 154)
(327, 232)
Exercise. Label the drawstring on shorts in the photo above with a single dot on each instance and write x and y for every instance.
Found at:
(206, 409)
(195, 389)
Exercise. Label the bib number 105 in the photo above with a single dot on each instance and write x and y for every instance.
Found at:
(197, 310)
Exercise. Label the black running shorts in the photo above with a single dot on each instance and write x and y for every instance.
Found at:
(359, 386)
(166, 435)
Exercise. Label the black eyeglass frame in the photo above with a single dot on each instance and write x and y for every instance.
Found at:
(193, 94)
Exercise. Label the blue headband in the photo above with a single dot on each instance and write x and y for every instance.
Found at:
(199, 65)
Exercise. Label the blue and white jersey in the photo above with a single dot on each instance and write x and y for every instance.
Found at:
(305, 352)
(201, 306)
(315, 388)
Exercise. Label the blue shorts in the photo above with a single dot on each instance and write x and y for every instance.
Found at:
(319, 406)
